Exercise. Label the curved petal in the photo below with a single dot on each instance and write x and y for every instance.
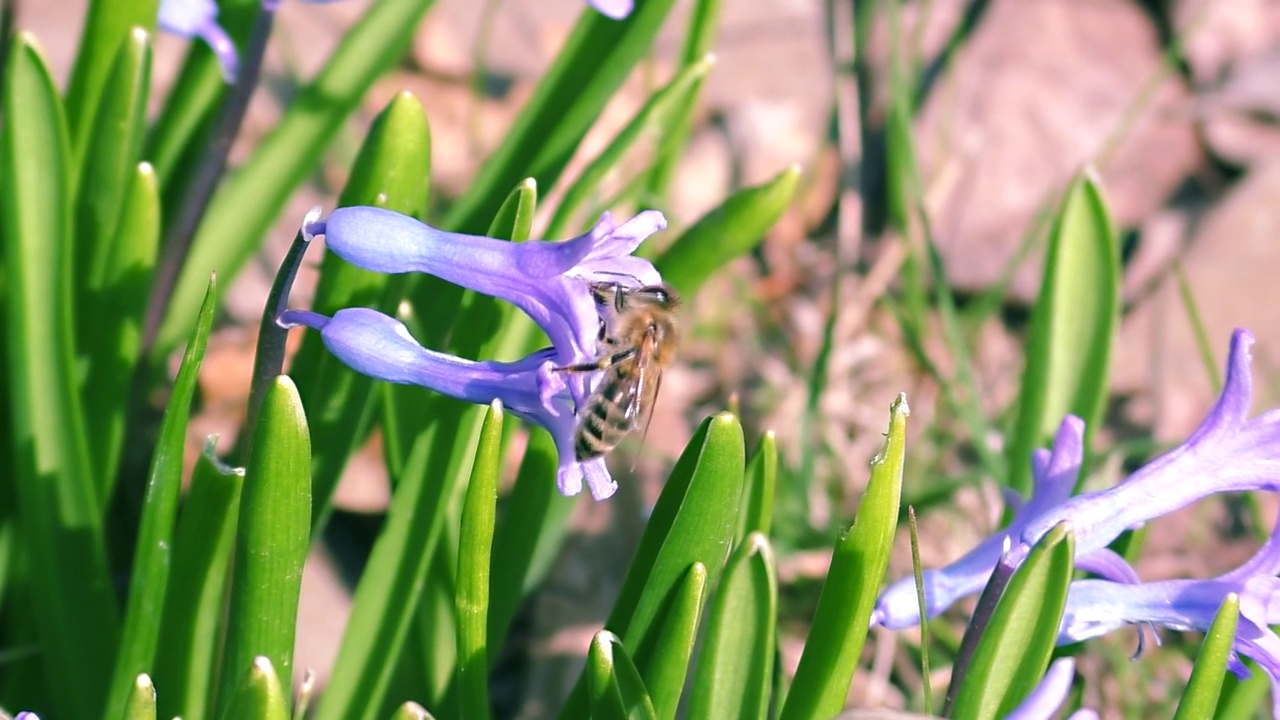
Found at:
(616, 9)
(1049, 694)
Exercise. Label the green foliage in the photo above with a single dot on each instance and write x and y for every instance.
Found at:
(101, 279)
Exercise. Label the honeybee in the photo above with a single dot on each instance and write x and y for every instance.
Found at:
(638, 338)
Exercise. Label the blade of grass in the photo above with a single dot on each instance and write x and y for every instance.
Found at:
(191, 624)
(735, 668)
(59, 509)
(272, 537)
(858, 565)
(474, 550)
(596, 58)
(151, 561)
(723, 234)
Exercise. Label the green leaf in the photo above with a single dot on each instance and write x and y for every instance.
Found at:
(392, 170)
(1069, 348)
(614, 685)
(514, 219)
(704, 18)
(692, 522)
(651, 117)
(723, 234)
(858, 565)
(762, 479)
(191, 626)
(140, 702)
(735, 668)
(1200, 697)
(479, 511)
(151, 560)
(259, 694)
(597, 57)
(1015, 647)
(529, 535)
(59, 509)
(673, 646)
(902, 186)
(107, 24)
(250, 200)
(271, 540)
(112, 324)
(390, 588)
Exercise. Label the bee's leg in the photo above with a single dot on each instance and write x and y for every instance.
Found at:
(602, 364)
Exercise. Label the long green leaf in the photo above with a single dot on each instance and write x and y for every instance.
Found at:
(1069, 349)
(251, 199)
(151, 561)
(113, 325)
(693, 521)
(474, 550)
(726, 232)
(735, 669)
(858, 566)
(528, 535)
(592, 65)
(392, 170)
(614, 685)
(762, 479)
(106, 26)
(665, 675)
(58, 507)
(1201, 694)
(272, 537)
(191, 625)
(389, 591)
(1017, 643)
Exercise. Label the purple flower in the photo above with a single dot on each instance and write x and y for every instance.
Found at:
(549, 281)
(26, 716)
(199, 18)
(1227, 453)
(1097, 607)
(616, 9)
(380, 346)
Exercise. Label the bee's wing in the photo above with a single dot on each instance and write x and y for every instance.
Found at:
(641, 386)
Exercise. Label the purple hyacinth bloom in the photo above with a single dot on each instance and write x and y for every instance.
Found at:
(1227, 453)
(381, 346)
(26, 716)
(549, 281)
(199, 19)
(616, 9)
(1097, 607)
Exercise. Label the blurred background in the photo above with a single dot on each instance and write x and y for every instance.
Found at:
(1176, 104)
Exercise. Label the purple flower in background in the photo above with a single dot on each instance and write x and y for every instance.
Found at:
(1097, 607)
(1227, 453)
(26, 716)
(549, 281)
(1048, 696)
(616, 9)
(199, 18)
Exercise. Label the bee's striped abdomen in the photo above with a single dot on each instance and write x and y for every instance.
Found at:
(605, 422)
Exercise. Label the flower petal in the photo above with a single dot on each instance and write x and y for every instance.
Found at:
(616, 9)
(1049, 694)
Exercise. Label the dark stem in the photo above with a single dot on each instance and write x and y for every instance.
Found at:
(977, 624)
(178, 241)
